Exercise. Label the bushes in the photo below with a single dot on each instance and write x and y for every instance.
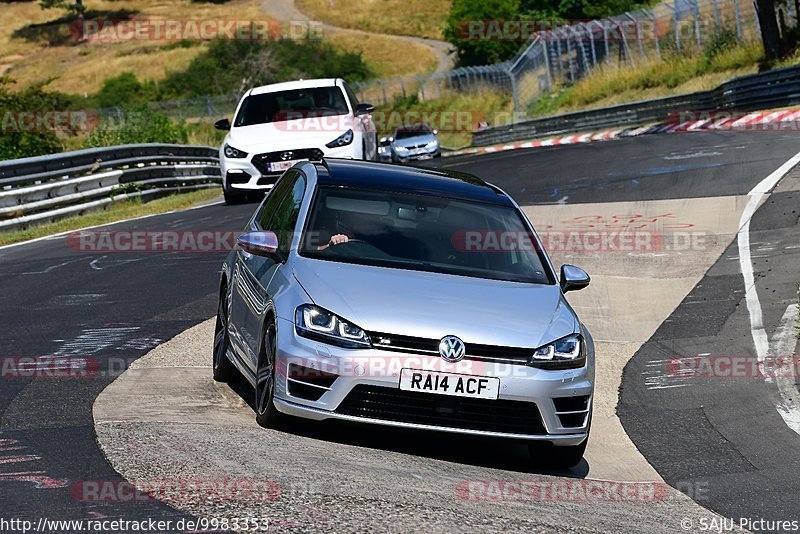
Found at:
(18, 140)
(137, 127)
(233, 66)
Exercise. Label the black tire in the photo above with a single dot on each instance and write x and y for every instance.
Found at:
(224, 370)
(267, 415)
(232, 198)
(545, 454)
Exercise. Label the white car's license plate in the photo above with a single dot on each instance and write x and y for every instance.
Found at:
(479, 387)
(280, 166)
(416, 151)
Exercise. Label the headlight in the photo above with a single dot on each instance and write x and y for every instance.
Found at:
(343, 140)
(400, 149)
(566, 353)
(233, 152)
(317, 323)
(432, 144)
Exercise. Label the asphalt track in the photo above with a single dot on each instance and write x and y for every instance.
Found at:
(116, 307)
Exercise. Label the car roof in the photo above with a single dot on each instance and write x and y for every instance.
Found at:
(298, 84)
(408, 179)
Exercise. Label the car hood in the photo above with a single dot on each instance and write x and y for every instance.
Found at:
(414, 141)
(432, 305)
(286, 135)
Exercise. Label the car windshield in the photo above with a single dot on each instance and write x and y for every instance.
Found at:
(425, 233)
(287, 105)
(412, 132)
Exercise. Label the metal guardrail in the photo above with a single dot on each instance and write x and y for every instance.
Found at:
(771, 89)
(48, 188)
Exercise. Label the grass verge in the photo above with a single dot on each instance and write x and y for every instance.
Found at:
(116, 212)
(677, 74)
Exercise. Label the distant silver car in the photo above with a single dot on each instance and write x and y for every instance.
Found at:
(407, 297)
(385, 149)
(415, 142)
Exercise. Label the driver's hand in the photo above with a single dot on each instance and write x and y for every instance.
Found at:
(338, 239)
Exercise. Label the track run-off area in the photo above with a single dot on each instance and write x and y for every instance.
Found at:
(692, 243)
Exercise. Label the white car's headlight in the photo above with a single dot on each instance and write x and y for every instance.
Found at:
(343, 140)
(318, 323)
(232, 152)
(401, 150)
(565, 353)
(432, 144)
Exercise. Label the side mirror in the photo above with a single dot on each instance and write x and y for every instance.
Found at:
(223, 124)
(573, 278)
(436, 132)
(258, 243)
(364, 109)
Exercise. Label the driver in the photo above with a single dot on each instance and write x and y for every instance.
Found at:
(334, 240)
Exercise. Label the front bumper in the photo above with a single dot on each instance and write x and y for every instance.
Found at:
(241, 174)
(427, 154)
(371, 368)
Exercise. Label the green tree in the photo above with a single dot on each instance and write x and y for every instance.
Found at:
(469, 28)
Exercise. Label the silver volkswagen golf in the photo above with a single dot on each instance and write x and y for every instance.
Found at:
(407, 297)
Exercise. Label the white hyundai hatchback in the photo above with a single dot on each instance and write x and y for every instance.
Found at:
(278, 125)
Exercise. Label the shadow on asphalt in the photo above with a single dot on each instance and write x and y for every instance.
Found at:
(510, 455)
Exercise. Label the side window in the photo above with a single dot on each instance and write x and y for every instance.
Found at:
(274, 197)
(351, 96)
(284, 219)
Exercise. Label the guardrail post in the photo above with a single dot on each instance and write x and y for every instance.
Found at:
(738, 20)
(677, 23)
(547, 63)
(569, 58)
(558, 53)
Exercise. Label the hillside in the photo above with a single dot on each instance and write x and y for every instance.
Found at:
(37, 46)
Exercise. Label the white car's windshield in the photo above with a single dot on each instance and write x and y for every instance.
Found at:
(420, 232)
(287, 105)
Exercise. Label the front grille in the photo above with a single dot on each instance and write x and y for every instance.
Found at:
(261, 160)
(390, 404)
(485, 353)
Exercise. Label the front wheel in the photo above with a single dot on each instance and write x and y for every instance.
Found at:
(267, 415)
(223, 368)
(232, 198)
